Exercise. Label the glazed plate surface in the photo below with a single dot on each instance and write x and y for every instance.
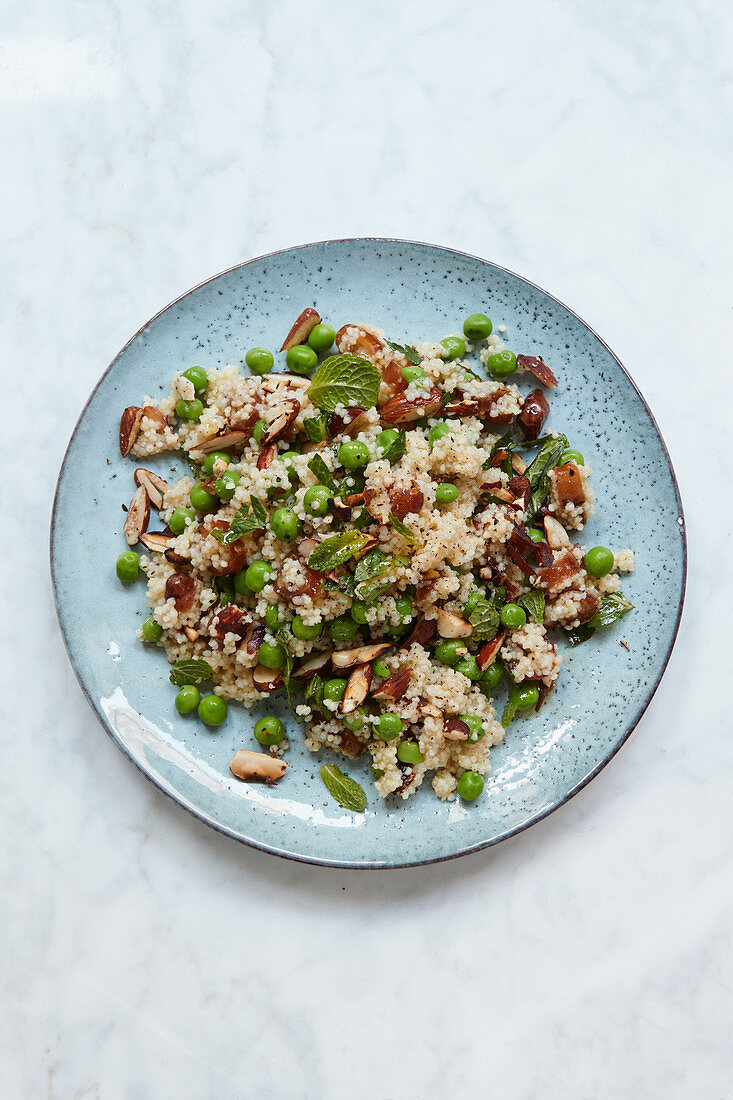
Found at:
(411, 291)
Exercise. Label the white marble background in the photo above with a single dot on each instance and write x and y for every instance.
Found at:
(149, 145)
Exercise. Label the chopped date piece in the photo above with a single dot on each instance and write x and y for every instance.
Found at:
(361, 343)
(337, 424)
(231, 620)
(520, 489)
(405, 501)
(528, 555)
(182, 589)
(558, 573)
(423, 631)
(536, 365)
(569, 486)
(535, 410)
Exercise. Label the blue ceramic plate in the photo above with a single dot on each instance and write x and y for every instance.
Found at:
(411, 290)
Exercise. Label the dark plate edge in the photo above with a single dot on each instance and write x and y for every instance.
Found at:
(350, 865)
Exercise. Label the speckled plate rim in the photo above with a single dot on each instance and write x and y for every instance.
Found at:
(374, 864)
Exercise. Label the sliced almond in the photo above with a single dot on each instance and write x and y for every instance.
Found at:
(427, 584)
(429, 710)
(518, 464)
(281, 382)
(283, 417)
(138, 515)
(302, 328)
(266, 679)
(422, 632)
(267, 456)
(157, 541)
(377, 504)
(452, 626)
(190, 633)
(357, 689)
(455, 730)
(536, 365)
(154, 485)
(490, 651)
(557, 536)
(129, 428)
(314, 664)
(306, 548)
(154, 414)
(346, 658)
(394, 687)
(220, 467)
(225, 442)
(175, 558)
(398, 410)
(185, 388)
(257, 765)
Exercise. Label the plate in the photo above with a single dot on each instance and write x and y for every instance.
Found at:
(411, 290)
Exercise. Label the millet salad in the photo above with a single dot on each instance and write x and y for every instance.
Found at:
(385, 533)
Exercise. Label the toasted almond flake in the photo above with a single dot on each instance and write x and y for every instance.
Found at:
(190, 633)
(129, 428)
(267, 456)
(489, 652)
(309, 668)
(225, 442)
(452, 626)
(302, 328)
(557, 536)
(157, 541)
(266, 679)
(185, 388)
(357, 689)
(138, 515)
(154, 485)
(394, 687)
(518, 464)
(455, 730)
(283, 416)
(345, 658)
(398, 410)
(257, 765)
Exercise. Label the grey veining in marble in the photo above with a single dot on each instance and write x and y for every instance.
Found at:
(150, 145)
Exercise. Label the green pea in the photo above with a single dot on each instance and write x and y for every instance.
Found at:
(180, 519)
(188, 699)
(468, 665)
(190, 410)
(271, 656)
(446, 493)
(272, 616)
(409, 752)
(287, 457)
(198, 376)
(355, 720)
(470, 786)
(256, 576)
(513, 616)
(322, 337)
(477, 326)
(202, 500)
(269, 730)
(403, 607)
(492, 675)
(213, 457)
(386, 438)
(535, 534)
(315, 501)
(128, 566)
(306, 632)
(301, 359)
(524, 696)
(342, 629)
(413, 373)
(152, 631)
(599, 561)
(571, 455)
(358, 612)
(389, 726)
(259, 430)
(353, 454)
(502, 363)
(446, 653)
(259, 360)
(453, 348)
(226, 485)
(475, 727)
(212, 710)
(334, 689)
(380, 669)
(285, 524)
(438, 431)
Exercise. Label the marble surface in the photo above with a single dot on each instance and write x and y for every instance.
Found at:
(150, 145)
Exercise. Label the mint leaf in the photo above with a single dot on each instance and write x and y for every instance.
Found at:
(403, 529)
(315, 429)
(344, 789)
(409, 352)
(545, 458)
(335, 550)
(190, 670)
(250, 517)
(508, 713)
(396, 449)
(344, 380)
(485, 621)
(533, 603)
(313, 693)
(580, 634)
(613, 606)
(322, 472)
(373, 564)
